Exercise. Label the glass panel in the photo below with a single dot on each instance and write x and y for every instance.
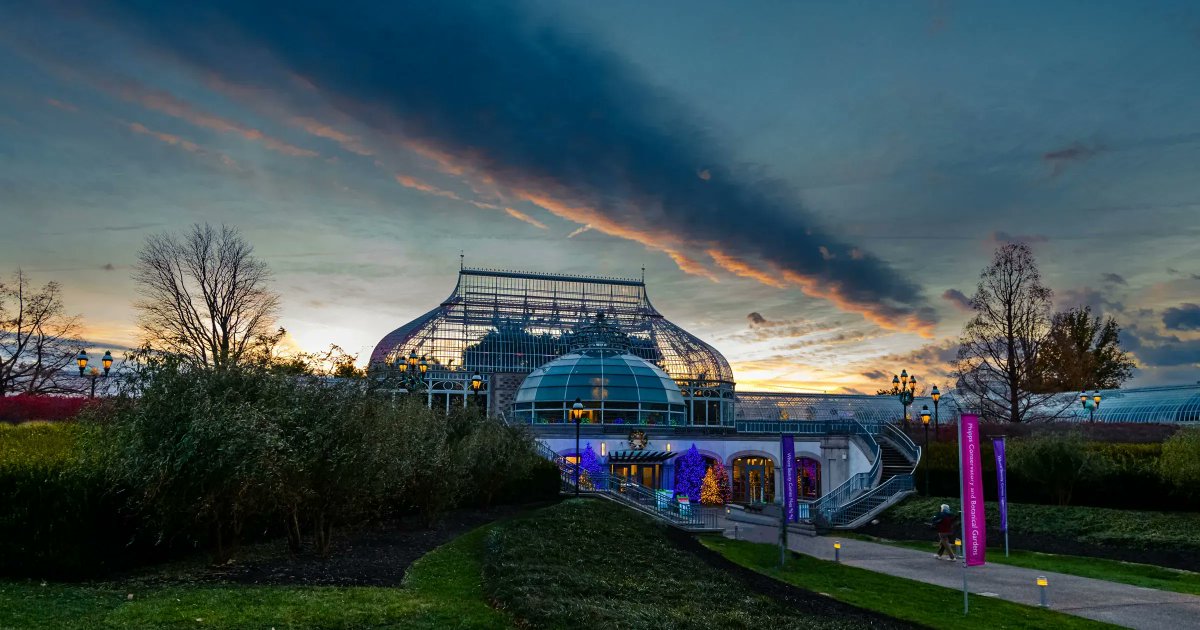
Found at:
(622, 380)
(654, 395)
(629, 394)
(552, 393)
(553, 380)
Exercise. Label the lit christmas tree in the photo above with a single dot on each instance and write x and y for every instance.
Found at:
(590, 463)
(689, 474)
(723, 482)
(710, 489)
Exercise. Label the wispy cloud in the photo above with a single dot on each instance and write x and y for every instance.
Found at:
(411, 182)
(521, 216)
(1060, 159)
(63, 105)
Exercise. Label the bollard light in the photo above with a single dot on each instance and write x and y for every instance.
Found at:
(837, 551)
(1043, 583)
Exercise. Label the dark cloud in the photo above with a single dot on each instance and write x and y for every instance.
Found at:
(762, 328)
(1183, 317)
(958, 299)
(1059, 159)
(1100, 300)
(109, 267)
(1154, 350)
(487, 91)
(875, 375)
(1113, 278)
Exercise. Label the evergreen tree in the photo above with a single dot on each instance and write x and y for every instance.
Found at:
(689, 474)
(710, 488)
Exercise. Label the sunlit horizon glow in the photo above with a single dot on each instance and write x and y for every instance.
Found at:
(817, 221)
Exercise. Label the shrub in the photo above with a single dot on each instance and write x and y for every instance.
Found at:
(58, 517)
(1057, 462)
(1180, 463)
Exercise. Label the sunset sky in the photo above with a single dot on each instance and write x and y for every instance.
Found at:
(812, 187)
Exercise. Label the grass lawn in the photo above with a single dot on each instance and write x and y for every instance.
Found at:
(595, 561)
(1130, 529)
(926, 604)
(442, 590)
(1146, 575)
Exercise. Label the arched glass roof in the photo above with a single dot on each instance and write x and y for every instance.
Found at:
(1176, 404)
(501, 321)
(780, 406)
(595, 376)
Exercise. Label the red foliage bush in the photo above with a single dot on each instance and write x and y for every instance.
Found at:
(24, 407)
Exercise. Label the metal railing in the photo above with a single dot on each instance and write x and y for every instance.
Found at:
(850, 515)
(900, 440)
(827, 505)
(660, 504)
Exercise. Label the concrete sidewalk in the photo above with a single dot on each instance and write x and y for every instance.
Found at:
(1121, 604)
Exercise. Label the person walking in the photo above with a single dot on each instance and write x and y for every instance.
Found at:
(943, 523)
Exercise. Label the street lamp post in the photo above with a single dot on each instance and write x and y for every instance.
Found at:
(936, 395)
(1091, 404)
(476, 383)
(577, 416)
(925, 422)
(908, 387)
(82, 360)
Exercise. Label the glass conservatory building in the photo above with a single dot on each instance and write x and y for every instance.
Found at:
(535, 343)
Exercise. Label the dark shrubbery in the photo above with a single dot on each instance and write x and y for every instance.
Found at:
(1061, 467)
(58, 514)
(196, 457)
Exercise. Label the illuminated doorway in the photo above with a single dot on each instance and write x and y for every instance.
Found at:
(808, 478)
(753, 480)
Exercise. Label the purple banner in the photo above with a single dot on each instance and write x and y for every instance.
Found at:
(787, 449)
(1001, 482)
(973, 523)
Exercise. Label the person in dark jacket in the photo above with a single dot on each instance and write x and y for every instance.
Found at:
(944, 522)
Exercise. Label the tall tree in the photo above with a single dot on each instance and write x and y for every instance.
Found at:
(998, 355)
(37, 339)
(205, 296)
(1083, 351)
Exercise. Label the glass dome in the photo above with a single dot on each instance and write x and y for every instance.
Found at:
(614, 386)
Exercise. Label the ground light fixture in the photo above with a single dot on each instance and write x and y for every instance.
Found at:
(1043, 586)
(837, 551)
(81, 360)
(577, 417)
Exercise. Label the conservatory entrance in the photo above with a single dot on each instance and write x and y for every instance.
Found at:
(753, 480)
(644, 467)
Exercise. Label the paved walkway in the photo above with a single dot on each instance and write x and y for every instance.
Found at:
(1121, 604)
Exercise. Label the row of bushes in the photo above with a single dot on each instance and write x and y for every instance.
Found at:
(193, 458)
(1063, 468)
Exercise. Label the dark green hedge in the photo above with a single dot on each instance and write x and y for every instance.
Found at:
(1130, 478)
(58, 515)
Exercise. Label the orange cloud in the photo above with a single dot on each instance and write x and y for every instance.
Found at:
(170, 105)
(321, 130)
(521, 216)
(741, 268)
(416, 184)
(172, 140)
(550, 197)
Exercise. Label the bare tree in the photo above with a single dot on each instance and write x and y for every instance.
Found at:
(37, 340)
(998, 356)
(205, 296)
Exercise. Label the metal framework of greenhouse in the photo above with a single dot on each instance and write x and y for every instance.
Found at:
(510, 322)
